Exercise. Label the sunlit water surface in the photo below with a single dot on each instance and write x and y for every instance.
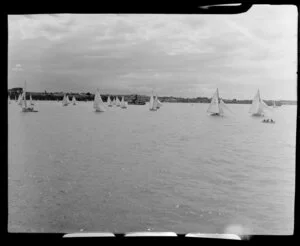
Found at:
(176, 169)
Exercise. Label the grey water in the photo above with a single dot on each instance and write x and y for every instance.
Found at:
(177, 169)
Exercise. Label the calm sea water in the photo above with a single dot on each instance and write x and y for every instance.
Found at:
(176, 169)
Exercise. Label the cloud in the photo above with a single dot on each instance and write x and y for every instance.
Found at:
(186, 55)
(17, 68)
(48, 26)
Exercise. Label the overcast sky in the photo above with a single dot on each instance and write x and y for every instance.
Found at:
(179, 55)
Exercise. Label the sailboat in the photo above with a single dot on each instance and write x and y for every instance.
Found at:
(31, 102)
(114, 102)
(65, 101)
(258, 106)
(159, 104)
(74, 100)
(118, 103)
(19, 102)
(25, 106)
(109, 102)
(274, 104)
(123, 103)
(98, 103)
(217, 105)
(8, 100)
(153, 103)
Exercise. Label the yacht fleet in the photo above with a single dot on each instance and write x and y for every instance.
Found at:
(217, 106)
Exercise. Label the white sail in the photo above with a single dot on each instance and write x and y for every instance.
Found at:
(109, 102)
(123, 103)
(24, 101)
(159, 104)
(214, 104)
(118, 103)
(31, 102)
(74, 100)
(114, 102)
(20, 99)
(98, 103)
(8, 100)
(153, 103)
(65, 101)
(25, 106)
(258, 106)
(265, 106)
(222, 106)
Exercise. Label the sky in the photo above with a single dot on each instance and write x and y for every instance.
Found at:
(174, 55)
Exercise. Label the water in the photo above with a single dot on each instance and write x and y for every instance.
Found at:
(176, 169)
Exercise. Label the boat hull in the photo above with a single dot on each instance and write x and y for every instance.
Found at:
(216, 114)
(99, 110)
(29, 110)
(258, 115)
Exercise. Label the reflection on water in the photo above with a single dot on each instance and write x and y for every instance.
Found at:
(176, 169)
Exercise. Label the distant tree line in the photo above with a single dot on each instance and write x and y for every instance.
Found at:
(131, 99)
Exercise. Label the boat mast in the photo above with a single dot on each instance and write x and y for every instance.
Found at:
(25, 95)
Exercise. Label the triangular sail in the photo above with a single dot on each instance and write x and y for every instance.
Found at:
(8, 99)
(74, 100)
(151, 103)
(159, 104)
(98, 103)
(256, 104)
(214, 104)
(109, 103)
(123, 103)
(155, 103)
(264, 105)
(20, 99)
(24, 101)
(65, 100)
(31, 102)
(118, 103)
(223, 106)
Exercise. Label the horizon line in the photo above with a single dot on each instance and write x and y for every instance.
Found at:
(115, 94)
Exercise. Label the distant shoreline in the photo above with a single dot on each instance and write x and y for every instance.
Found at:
(133, 98)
